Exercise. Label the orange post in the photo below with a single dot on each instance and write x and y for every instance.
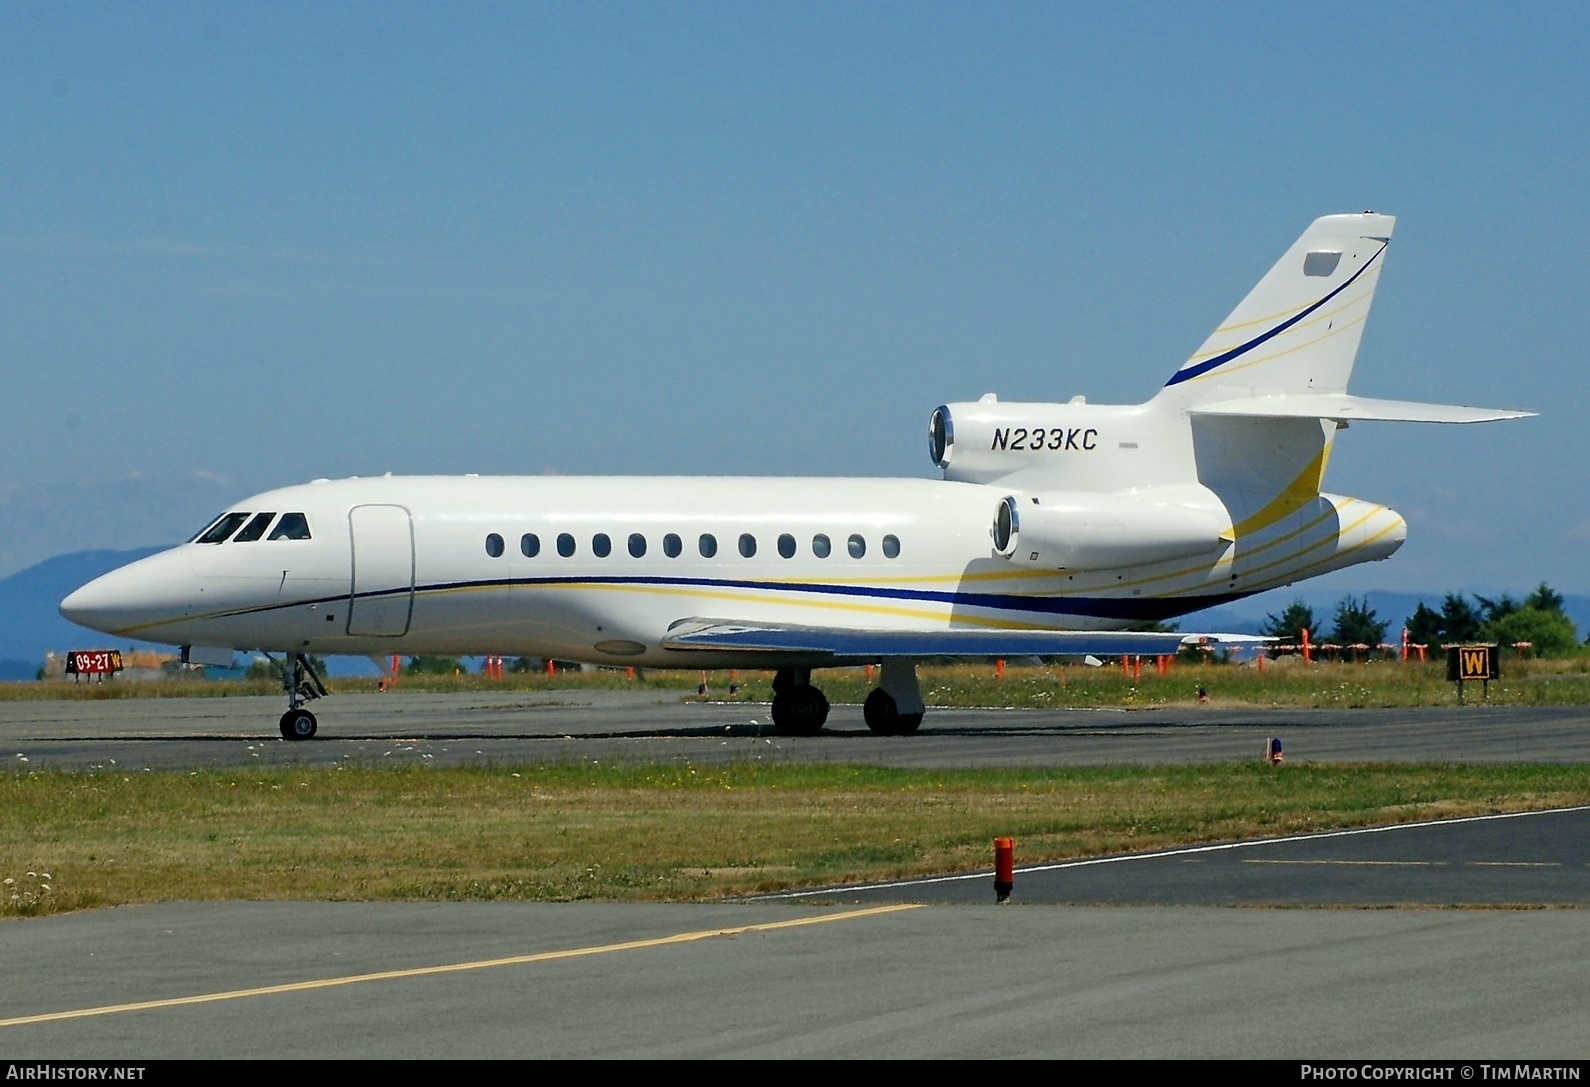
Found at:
(552, 669)
(999, 668)
(1004, 868)
(1262, 657)
(629, 673)
(869, 673)
(1308, 648)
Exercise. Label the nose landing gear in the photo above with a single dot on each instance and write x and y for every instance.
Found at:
(799, 709)
(302, 685)
(298, 724)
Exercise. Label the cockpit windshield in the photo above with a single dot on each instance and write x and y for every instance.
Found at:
(218, 532)
(292, 526)
(208, 525)
(255, 528)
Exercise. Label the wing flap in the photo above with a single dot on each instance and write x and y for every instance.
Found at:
(1347, 408)
(720, 635)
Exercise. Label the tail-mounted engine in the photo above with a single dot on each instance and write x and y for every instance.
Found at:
(1080, 531)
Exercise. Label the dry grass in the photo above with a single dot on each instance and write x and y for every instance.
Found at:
(69, 841)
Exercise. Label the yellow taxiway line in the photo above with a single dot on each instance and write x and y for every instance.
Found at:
(455, 968)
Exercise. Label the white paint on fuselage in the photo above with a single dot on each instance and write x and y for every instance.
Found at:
(293, 595)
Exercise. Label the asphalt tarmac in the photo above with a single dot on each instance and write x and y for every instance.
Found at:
(244, 980)
(1519, 859)
(1153, 963)
(566, 726)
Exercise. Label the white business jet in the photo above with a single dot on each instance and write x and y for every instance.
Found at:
(1055, 530)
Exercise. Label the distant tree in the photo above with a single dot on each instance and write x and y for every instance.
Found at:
(1459, 621)
(1546, 631)
(1290, 624)
(433, 666)
(1539, 620)
(1425, 626)
(526, 664)
(1544, 598)
(1500, 608)
(1356, 622)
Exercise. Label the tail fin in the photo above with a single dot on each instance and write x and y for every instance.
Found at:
(1298, 330)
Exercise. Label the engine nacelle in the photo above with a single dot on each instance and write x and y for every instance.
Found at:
(1083, 531)
(1074, 446)
(988, 439)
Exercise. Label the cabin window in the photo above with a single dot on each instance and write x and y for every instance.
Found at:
(494, 545)
(637, 545)
(822, 546)
(565, 544)
(292, 526)
(601, 545)
(672, 545)
(858, 545)
(747, 545)
(255, 528)
(891, 547)
(218, 532)
(529, 545)
(708, 544)
(786, 546)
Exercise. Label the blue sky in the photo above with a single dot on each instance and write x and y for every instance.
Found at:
(246, 245)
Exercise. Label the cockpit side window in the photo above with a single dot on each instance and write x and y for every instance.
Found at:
(255, 528)
(218, 532)
(292, 526)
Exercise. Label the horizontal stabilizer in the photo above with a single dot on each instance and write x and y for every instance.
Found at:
(854, 643)
(1348, 408)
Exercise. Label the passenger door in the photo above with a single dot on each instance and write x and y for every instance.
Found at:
(381, 599)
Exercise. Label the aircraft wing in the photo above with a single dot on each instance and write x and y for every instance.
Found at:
(1348, 408)
(718, 634)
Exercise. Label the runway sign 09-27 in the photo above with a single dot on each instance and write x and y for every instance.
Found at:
(93, 662)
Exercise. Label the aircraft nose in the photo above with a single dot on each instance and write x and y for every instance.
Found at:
(133, 596)
(99, 604)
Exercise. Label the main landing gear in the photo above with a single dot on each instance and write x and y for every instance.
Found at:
(302, 685)
(799, 709)
(894, 708)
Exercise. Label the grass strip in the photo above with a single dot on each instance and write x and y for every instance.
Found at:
(662, 832)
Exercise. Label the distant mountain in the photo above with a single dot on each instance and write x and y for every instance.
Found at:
(30, 618)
